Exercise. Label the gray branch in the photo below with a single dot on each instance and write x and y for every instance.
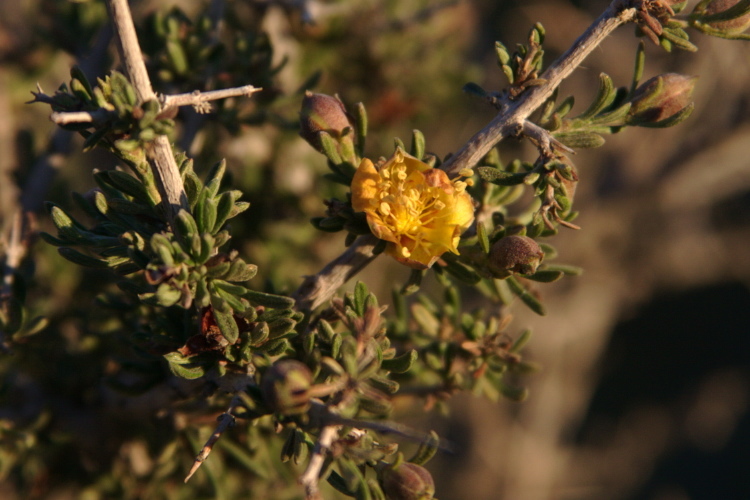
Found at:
(160, 155)
(199, 99)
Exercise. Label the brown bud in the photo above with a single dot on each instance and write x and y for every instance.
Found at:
(732, 26)
(408, 481)
(517, 254)
(661, 97)
(286, 386)
(321, 113)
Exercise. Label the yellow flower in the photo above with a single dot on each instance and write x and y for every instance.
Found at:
(417, 209)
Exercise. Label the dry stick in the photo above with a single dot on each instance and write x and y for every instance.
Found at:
(511, 120)
(17, 247)
(318, 288)
(309, 478)
(198, 98)
(160, 154)
(195, 98)
(68, 117)
(226, 420)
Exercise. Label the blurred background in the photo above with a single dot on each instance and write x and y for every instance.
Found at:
(644, 387)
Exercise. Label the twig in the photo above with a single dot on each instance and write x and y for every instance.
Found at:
(67, 117)
(16, 249)
(309, 478)
(161, 157)
(199, 99)
(226, 420)
(514, 116)
(543, 140)
(317, 289)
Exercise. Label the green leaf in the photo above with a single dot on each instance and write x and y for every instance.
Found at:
(413, 282)
(679, 38)
(640, 63)
(215, 176)
(521, 341)
(563, 268)
(232, 300)
(580, 139)
(328, 224)
(65, 224)
(604, 97)
(565, 107)
(483, 238)
(81, 259)
(224, 208)
(545, 276)
(329, 147)
(612, 118)
(427, 449)
(500, 177)
(460, 271)
(226, 323)
(166, 295)
(183, 367)
(360, 127)
(239, 271)
(205, 211)
(417, 144)
(187, 227)
(671, 121)
(402, 363)
(360, 298)
(527, 298)
(268, 299)
(516, 394)
(280, 327)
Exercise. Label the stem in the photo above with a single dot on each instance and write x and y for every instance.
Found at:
(226, 420)
(161, 157)
(309, 478)
(511, 120)
(16, 248)
(317, 289)
(508, 121)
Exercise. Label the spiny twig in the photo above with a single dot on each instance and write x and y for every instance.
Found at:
(199, 99)
(226, 420)
(16, 248)
(309, 478)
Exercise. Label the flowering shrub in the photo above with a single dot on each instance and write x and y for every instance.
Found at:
(184, 327)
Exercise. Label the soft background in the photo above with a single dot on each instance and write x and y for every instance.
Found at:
(644, 391)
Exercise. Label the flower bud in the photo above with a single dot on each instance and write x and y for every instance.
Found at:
(660, 98)
(731, 26)
(286, 386)
(321, 113)
(408, 481)
(517, 254)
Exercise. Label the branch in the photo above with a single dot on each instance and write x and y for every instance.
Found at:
(160, 152)
(67, 117)
(510, 121)
(199, 99)
(226, 420)
(16, 248)
(512, 116)
(309, 478)
(317, 289)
